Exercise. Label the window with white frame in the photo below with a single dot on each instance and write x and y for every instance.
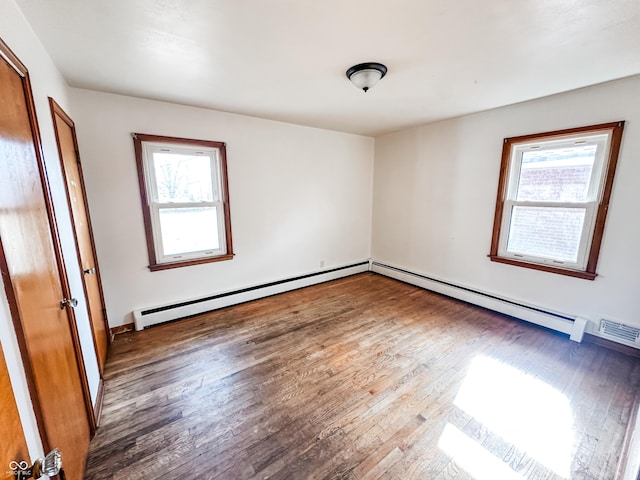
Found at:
(184, 192)
(553, 197)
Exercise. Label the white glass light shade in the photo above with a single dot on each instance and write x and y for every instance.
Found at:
(365, 79)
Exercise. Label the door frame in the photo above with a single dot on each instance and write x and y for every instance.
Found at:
(13, 449)
(57, 110)
(7, 54)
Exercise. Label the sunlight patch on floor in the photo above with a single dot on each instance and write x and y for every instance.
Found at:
(473, 457)
(523, 410)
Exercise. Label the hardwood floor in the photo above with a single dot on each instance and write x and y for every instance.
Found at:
(360, 378)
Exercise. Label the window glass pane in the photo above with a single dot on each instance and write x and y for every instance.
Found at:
(547, 232)
(556, 175)
(182, 178)
(186, 230)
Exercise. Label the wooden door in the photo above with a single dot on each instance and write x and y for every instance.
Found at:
(72, 169)
(13, 447)
(34, 277)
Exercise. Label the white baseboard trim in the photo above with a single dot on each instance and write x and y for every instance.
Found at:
(553, 320)
(146, 317)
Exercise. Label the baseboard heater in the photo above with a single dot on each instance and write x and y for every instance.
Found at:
(573, 326)
(147, 317)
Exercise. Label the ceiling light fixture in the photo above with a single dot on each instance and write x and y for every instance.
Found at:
(366, 75)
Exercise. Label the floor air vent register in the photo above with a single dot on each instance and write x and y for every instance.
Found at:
(621, 332)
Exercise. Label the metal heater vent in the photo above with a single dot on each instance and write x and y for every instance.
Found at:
(620, 330)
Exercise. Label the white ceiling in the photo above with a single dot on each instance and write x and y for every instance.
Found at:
(286, 59)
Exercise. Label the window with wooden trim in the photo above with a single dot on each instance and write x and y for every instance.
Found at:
(185, 200)
(553, 196)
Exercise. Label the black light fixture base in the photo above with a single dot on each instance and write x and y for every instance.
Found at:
(367, 66)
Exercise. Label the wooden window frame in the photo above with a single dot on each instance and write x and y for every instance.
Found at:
(154, 263)
(615, 129)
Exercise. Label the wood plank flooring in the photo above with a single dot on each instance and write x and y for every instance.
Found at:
(360, 378)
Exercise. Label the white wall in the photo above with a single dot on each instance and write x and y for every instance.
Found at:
(46, 81)
(435, 190)
(299, 196)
